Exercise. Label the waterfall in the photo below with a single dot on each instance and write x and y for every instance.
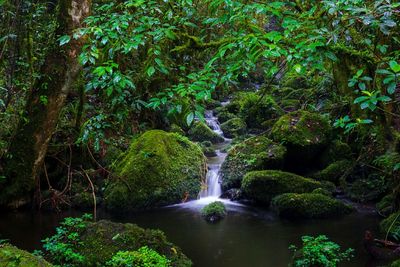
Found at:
(213, 187)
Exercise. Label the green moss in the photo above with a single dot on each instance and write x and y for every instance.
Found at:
(304, 134)
(322, 191)
(302, 128)
(225, 116)
(395, 264)
(336, 151)
(334, 171)
(255, 153)
(262, 186)
(214, 211)
(309, 205)
(103, 239)
(158, 169)
(174, 128)
(234, 127)
(208, 149)
(12, 256)
(369, 189)
(200, 132)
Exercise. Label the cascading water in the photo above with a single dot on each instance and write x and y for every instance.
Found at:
(213, 189)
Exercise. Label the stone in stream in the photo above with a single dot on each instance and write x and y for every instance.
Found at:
(200, 132)
(263, 186)
(214, 212)
(159, 169)
(309, 206)
(256, 153)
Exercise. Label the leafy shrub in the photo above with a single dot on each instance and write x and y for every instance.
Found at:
(59, 248)
(143, 257)
(319, 252)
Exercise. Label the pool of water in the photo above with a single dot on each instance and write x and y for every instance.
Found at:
(246, 237)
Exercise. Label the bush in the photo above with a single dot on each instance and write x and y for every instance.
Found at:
(214, 211)
(262, 186)
(319, 252)
(79, 242)
(143, 257)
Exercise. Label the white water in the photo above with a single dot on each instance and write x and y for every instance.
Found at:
(212, 190)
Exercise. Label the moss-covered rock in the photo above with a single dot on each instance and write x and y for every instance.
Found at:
(334, 171)
(309, 205)
(225, 116)
(103, 239)
(255, 153)
(158, 169)
(262, 186)
(336, 151)
(234, 127)
(12, 256)
(304, 134)
(214, 211)
(208, 149)
(200, 132)
(371, 188)
(294, 80)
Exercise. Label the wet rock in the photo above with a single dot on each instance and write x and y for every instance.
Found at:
(234, 128)
(232, 194)
(262, 186)
(255, 153)
(159, 169)
(200, 132)
(309, 206)
(12, 256)
(214, 212)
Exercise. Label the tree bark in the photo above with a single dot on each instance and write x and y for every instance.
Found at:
(59, 72)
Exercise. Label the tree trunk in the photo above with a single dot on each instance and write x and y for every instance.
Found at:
(59, 72)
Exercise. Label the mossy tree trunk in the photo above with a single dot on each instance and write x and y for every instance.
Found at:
(47, 97)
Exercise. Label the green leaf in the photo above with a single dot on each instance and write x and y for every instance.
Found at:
(150, 71)
(64, 40)
(394, 66)
(190, 118)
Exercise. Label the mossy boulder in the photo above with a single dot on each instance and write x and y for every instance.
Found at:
(233, 128)
(296, 81)
(103, 239)
(371, 188)
(255, 153)
(225, 116)
(263, 186)
(304, 134)
(309, 206)
(208, 149)
(334, 171)
(159, 169)
(336, 151)
(200, 132)
(12, 256)
(214, 211)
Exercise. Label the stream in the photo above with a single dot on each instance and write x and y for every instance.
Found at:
(247, 237)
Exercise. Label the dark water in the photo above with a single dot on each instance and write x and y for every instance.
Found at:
(247, 237)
